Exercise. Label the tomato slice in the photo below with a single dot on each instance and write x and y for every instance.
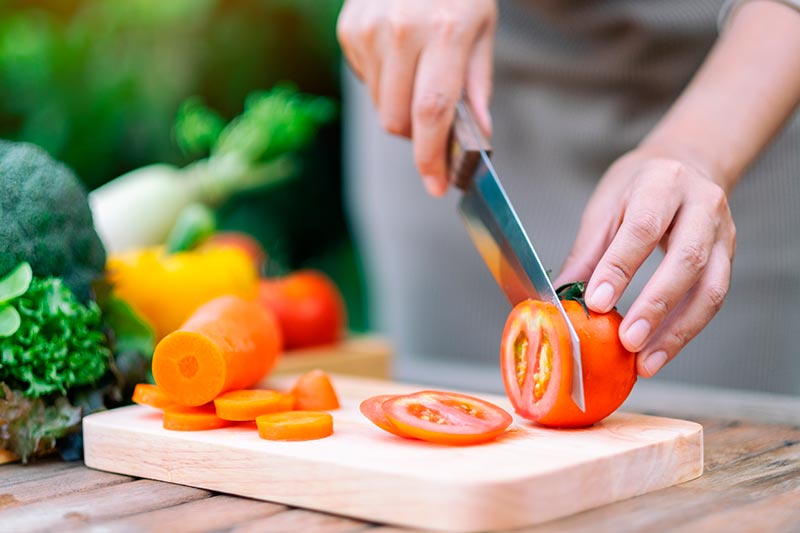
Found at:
(372, 408)
(446, 417)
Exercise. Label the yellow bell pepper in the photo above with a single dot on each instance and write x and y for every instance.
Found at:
(166, 288)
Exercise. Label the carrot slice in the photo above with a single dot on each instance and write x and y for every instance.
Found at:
(149, 394)
(314, 391)
(295, 425)
(183, 418)
(227, 344)
(241, 405)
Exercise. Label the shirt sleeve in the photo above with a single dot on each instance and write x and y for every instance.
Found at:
(731, 6)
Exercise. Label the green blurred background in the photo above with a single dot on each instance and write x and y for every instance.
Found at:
(97, 83)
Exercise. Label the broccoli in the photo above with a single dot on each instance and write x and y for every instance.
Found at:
(45, 219)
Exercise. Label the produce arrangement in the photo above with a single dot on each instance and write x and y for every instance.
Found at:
(105, 290)
(130, 293)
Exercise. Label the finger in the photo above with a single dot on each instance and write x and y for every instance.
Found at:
(594, 234)
(439, 83)
(702, 302)
(479, 79)
(647, 217)
(689, 246)
(396, 85)
(347, 34)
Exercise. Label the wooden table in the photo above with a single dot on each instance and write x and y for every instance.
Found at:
(751, 483)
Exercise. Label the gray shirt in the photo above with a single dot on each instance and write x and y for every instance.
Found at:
(577, 84)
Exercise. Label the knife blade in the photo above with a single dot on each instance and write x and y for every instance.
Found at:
(497, 232)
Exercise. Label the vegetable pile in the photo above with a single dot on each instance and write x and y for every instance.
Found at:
(78, 329)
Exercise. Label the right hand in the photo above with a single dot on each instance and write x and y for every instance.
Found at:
(417, 57)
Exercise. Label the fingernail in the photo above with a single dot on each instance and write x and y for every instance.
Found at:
(654, 362)
(637, 333)
(600, 298)
(432, 185)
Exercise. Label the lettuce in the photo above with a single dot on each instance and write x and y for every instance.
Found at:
(29, 427)
(59, 343)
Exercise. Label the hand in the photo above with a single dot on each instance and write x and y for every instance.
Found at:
(417, 57)
(641, 202)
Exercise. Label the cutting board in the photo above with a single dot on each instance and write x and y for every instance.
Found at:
(527, 476)
(358, 355)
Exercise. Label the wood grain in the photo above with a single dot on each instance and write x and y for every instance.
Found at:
(81, 507)
(529, 475)
(210, 514)
(742, 471)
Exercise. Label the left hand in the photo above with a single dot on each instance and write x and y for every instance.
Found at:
(642, 201)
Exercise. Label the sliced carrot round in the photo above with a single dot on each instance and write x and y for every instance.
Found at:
(200, 418)
(314, 391)
(241, 405)
(148, 394)
(295, 425)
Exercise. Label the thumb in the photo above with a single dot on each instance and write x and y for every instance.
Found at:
(594, 235)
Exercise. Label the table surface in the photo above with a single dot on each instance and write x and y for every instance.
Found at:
(751, 483)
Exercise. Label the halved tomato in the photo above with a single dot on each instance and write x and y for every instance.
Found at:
(536, 361)
(446, 417)
(372, 408)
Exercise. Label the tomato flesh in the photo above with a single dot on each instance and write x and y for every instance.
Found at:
(536, 360)
(446, 417)
(372, 408)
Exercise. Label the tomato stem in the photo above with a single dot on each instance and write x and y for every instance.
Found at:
(574, 291)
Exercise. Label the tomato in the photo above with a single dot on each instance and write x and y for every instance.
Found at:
(372, 408)
(309, 307)
(536, 361)
(244, 242)
(446, 417)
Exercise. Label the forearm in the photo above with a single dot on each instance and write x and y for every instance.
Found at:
(745, 91)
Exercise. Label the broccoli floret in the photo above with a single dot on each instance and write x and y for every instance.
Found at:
(45, 219)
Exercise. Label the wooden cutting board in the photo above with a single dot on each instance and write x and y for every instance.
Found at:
(528, 476)
(357, 355)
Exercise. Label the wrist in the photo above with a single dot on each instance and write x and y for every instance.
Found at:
(706, 164)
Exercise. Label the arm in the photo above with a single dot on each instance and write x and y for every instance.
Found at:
(673, 187)
(740, 98)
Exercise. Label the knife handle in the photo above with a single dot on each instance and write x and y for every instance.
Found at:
(466, 143)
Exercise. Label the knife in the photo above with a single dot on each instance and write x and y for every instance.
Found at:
(497, 232)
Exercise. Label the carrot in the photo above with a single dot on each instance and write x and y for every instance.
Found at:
(241, 405)
(314, 391)
(295, 425)
(148, 394)
(227, 344)
(183, 418)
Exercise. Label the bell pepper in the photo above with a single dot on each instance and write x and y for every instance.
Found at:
(166, 288)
